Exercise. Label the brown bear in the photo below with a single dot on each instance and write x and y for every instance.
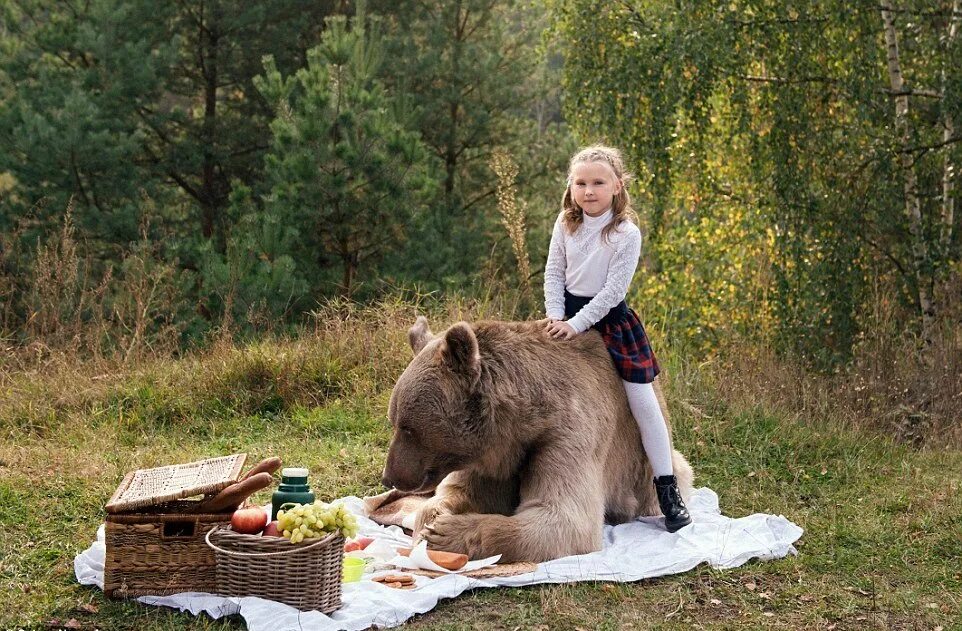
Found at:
(527, 441)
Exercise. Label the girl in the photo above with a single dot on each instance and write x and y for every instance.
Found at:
(592, 257)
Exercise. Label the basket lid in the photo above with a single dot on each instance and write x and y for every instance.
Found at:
(149, 487)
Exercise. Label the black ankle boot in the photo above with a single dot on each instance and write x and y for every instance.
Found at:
(673, 507)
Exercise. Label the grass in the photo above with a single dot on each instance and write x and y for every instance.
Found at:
(883, 522)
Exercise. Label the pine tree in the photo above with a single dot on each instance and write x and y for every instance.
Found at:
(469, 65)
(343, 167)
(110, 97)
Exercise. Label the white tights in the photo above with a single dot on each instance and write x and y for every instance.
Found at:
(654, 429)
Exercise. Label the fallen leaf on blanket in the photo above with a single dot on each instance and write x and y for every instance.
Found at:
(750, 586)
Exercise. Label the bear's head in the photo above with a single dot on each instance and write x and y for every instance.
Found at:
(436, 409)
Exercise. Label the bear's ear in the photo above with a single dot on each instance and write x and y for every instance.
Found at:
(459, 351)
(419, 334)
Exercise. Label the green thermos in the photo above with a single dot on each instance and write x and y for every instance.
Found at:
(293, 488)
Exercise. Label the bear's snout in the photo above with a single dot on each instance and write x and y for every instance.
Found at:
(387, 481)
(407, 481)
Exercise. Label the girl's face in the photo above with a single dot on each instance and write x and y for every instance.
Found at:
(593, 185)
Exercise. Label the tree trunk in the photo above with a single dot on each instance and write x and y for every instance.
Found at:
(210, 197)
(350, 260)
(451, 150)
(948, 131)
(913, 210)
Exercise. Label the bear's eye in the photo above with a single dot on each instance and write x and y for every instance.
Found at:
(407, 431)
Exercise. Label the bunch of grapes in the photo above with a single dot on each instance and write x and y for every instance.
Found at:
(308, 521)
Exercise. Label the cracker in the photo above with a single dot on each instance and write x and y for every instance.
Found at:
(394, 578)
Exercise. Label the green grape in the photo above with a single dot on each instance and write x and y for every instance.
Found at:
(310, 521)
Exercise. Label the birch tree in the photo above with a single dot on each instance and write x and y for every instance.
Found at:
(830, 127)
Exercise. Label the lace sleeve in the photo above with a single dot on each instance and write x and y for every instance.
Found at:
(620, 272)
(554, 274)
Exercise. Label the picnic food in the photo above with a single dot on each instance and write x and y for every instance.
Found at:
(249, 520)
(271, 530)
(447, 560)
(307, 521)
(235, 494)
(397, 581)
(267, 465)
(357, 544)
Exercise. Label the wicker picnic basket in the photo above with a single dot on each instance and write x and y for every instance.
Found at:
(305, 575)
(155, 537)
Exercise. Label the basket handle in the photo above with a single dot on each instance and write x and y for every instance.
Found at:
(265, 554)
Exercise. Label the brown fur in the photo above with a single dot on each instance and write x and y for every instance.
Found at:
(528, 441)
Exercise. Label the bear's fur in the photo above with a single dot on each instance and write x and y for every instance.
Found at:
(528, 441)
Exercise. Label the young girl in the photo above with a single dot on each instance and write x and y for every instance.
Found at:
(592, 257)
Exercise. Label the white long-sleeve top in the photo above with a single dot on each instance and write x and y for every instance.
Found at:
(587, 266)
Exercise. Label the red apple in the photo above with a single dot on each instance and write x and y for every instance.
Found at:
(272, 530)
(249, 520)
(357, 544)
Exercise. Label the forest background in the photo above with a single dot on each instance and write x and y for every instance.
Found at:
(182, 171)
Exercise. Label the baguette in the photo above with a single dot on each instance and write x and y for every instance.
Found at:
(232, 496)
(268, 465)
(447, 560)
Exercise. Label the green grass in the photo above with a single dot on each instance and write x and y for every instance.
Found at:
(883, 523)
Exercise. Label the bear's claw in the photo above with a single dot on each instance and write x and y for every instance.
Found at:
(450, 533)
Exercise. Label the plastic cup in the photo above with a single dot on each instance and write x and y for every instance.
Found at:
(353, 569)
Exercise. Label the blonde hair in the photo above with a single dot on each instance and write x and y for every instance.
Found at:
(621, 209)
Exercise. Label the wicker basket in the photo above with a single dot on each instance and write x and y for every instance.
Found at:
(155, 542)
(159, 553)
(304, 575)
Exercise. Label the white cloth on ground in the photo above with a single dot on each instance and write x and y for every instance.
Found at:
(632, 551)
(654, 431)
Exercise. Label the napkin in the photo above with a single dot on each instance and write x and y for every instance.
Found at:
(419, 560)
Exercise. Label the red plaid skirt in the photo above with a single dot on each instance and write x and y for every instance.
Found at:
(625, 339)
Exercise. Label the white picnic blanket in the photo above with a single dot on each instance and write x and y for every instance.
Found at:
(632, 551)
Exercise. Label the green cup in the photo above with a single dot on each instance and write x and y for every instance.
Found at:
(353, 569)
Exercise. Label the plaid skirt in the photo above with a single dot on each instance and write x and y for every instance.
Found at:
(625, 339)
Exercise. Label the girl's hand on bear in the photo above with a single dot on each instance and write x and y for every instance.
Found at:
(560, 330)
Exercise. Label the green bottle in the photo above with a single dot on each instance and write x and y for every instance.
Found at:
(293, 488)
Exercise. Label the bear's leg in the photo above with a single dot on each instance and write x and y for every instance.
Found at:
(537, 533)
(465, 492)
(559, 515)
